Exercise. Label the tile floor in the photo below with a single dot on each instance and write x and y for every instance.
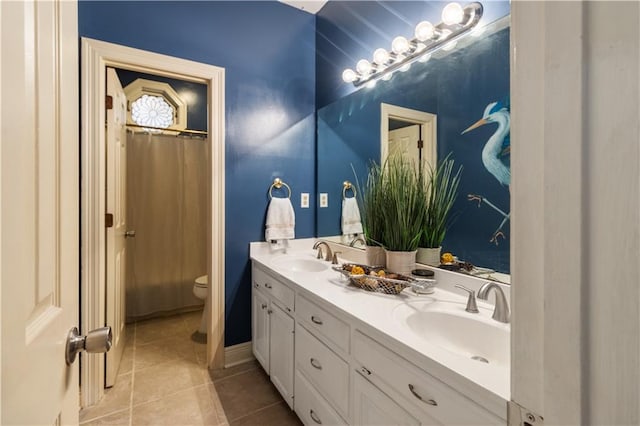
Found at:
(163, 380)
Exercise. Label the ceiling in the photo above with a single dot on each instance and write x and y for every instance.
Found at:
(311, 6)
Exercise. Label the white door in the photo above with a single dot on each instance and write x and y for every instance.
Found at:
(39, 214)
(405, 142)
(116, 207)
(281, 352)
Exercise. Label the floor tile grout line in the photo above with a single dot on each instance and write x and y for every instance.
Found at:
(254, 412)
(214, 381)
(101, 416)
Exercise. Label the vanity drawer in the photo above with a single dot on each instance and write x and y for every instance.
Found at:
(326, 370)
(273, 288)
(423, 391)
(311, 407)
(320, 321)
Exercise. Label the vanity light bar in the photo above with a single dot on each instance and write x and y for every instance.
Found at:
(457, 21)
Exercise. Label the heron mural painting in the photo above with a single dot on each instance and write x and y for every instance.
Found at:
(496, 155)
(468, 91)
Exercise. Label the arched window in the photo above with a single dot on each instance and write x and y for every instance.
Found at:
(156, 105)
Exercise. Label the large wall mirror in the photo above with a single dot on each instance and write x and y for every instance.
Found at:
(458, 103)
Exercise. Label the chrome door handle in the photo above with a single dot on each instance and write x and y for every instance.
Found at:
(130, 234)
(96, 341)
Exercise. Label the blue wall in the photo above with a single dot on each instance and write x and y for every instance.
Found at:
(456, 87)
(268, 51)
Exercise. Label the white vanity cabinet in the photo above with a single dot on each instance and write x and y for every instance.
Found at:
(273, 330)
(420, 394)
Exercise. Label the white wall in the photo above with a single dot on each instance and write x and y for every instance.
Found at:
(576, 204)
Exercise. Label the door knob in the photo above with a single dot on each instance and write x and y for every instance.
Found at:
(129, 234)
(96, 341)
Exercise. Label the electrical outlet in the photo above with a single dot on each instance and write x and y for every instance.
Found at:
(304, 200)
(324, 199)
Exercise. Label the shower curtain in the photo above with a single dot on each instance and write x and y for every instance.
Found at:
(166, 206)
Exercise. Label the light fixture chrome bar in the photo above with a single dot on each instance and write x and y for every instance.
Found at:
(472, 15)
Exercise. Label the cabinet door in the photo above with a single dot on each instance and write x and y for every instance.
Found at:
(281, 352)
(373, 407)
(260, 328)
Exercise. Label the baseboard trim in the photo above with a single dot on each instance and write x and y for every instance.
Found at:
(238, 354)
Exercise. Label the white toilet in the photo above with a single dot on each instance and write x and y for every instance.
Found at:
(200, 290)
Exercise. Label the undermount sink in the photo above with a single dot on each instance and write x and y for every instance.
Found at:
(448, 325)
(300, 264)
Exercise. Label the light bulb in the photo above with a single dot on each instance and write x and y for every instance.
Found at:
(405, 68)
(452, 14)
(371, 84)
(380, 56)
(400, 45)
(424, 31)
(425, 58)
(349, 75)
(387, 76)
(363, 66)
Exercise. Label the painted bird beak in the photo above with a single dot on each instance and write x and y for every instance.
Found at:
(475, 125)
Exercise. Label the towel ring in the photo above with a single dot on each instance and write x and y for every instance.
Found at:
(346, 185)
(278, 183)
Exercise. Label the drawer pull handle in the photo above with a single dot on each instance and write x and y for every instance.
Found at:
(365, 371)
(256, 285)
(417, 395)
(314, 362)
(264, 306)
(314, 417)
(269, 311)
(316, 320)
(267, 285)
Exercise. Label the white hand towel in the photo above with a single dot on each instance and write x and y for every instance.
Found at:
(281, 220)
(351, 223)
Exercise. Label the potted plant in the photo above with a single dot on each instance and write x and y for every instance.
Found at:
(403, 207)
(442, 190)
(370, 205)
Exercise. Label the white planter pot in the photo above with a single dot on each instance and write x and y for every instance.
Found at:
(376, 256)
(429, 256)
(401, 262)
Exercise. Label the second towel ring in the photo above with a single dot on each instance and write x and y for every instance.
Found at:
(278, 183)
(346, 185)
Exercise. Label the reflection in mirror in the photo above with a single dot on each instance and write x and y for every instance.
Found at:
(461, 87)
(409, 133)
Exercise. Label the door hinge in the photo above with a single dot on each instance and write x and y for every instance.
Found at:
(108, 102)
(518, 415)
(420, 144)
(108, 220)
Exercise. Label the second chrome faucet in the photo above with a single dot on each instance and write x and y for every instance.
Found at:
(501, 311)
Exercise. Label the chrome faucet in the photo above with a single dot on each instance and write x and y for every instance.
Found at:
(355, 240)
(327, 254)
(501, 311)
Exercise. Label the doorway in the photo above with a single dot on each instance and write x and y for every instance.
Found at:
(96, 57)
(408, 132)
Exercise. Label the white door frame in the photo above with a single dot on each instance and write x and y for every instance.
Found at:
(96, 56)
(424, 119)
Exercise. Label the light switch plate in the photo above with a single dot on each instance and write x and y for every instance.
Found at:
(324, 199)
(304, 200)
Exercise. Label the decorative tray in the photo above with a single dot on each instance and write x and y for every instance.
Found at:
(377, 279)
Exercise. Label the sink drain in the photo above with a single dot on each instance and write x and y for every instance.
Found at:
(479, 358)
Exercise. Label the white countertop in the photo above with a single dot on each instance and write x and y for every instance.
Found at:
(376, 311)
